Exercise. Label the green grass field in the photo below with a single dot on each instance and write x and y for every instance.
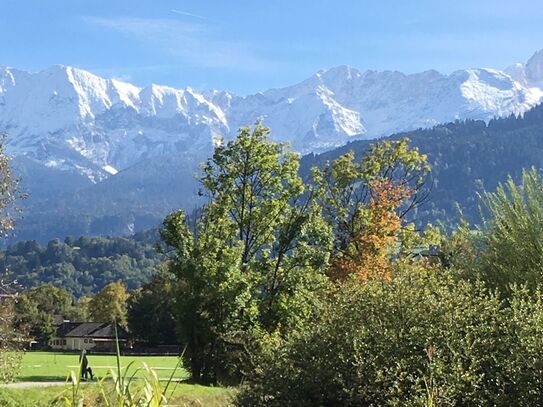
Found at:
(181, 395)
(50, 366)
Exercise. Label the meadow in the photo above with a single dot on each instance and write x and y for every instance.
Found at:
(56, 366)
(42, 367)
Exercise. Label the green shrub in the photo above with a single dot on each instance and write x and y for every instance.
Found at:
(11, 339)
(525, 359)
(509, 245)
(424, 338)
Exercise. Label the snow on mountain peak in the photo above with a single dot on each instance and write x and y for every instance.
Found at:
(517, 73)
(341, 72)
(71, 118)
(494, 92)
(534, 68)
(6, 78)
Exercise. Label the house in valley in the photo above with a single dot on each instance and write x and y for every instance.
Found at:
(99, 336)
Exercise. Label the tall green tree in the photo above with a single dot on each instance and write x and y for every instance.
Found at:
(254, 263)
(347, 186)
(109, 305)
(151, 310)
(262, 206)
(37, 307)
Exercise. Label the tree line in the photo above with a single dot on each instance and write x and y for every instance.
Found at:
(147, 312)
(85, 265)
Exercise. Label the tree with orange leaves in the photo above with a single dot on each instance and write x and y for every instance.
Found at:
(366, 203)
(369, 254)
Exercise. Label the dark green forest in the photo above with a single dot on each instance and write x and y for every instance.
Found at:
(84, 265)
(467, 158)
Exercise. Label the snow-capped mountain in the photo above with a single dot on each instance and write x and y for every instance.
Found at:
(101, 156)
(70, 119)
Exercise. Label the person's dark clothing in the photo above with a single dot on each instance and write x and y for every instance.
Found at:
(85, 369)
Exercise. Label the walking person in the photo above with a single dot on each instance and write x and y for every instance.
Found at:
(84, 363)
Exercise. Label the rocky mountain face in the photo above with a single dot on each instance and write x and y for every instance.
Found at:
(113, 148)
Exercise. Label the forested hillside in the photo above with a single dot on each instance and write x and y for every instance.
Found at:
(83, 265)
(467, 157)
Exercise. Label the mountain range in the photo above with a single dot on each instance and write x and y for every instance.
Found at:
(102, 156)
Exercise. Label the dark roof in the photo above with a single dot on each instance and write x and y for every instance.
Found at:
(58, 319)
(104, 330)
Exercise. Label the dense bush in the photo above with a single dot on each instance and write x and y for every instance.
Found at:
(423, 338)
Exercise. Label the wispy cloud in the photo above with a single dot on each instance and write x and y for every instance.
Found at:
(187, 14)
(195, 43)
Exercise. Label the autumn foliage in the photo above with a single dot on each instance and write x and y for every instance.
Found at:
(369, 254)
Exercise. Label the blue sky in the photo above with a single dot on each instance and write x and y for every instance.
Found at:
(247, 46)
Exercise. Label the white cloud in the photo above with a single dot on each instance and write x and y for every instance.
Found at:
(187, 14)
(190, 42)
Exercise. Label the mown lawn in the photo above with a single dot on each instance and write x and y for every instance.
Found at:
(50, 366)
